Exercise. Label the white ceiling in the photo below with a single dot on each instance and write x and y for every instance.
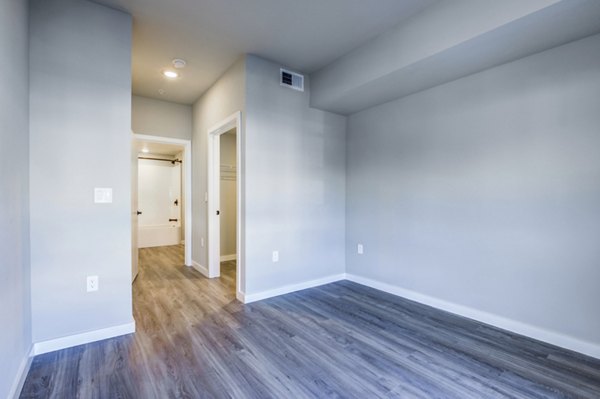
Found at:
(157, 148)
(303, 35)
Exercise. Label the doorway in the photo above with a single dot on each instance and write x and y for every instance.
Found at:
(228, 196)
(225, 199)
(161, 195)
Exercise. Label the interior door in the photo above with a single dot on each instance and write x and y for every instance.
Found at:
(134, 211)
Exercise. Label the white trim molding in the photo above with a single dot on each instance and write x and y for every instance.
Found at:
(517, 327)
(17, 385)
(225, 258)
(551, 337)
(286, 289)
(200, 268)
(213, 194)
(52, 345)
(240, 296)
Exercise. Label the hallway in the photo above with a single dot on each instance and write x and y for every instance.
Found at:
(194, 340)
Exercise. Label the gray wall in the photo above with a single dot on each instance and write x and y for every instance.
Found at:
(15, 317)
(161, 118)
(295, 183)
(80, 109)
(228, 193)
(224, 98)
(477, 35)
(484, 192)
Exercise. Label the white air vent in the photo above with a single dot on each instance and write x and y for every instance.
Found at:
(291, 79)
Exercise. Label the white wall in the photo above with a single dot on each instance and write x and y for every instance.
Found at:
(15, 316)
(295, 183)
(161, 118)
(224, 98)
(484, 193)
(80, 105)
(159, 185)
(228, 191)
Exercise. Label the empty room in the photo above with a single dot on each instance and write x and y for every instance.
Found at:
(300, 199)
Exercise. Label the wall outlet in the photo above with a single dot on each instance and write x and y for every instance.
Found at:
(202, 242)
(359, 249)
(275, 256)
(92, 283)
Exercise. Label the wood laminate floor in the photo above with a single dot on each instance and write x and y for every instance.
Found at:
(342, 340)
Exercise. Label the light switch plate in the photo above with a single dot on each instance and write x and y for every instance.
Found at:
(103, 195)
(360, 249)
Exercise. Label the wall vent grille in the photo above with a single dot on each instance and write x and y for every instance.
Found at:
(291, 79)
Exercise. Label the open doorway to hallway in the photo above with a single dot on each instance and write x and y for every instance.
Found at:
(161, 195)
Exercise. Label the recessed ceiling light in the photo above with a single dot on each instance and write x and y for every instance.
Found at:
(145, 150)
(170, 74)
(179, 63)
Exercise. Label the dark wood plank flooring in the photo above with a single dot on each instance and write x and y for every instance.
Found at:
(342, 340)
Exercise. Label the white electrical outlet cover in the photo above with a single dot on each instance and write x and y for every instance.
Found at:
(92, 283)
(275, 256)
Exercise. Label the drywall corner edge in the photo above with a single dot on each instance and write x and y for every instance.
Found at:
(17, 386)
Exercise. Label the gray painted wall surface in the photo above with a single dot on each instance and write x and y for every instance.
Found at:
(295, 183)
(224, 98)
(228, 193)
(15, 316)
(161, 118)
(80, 109)
(484, 191)
(477, 35)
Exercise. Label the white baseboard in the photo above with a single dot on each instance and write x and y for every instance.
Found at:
(551, 337)
(225, 258)
(52, 345)
(17, 386)
(240, 296)
(200, 268)
(257, 296)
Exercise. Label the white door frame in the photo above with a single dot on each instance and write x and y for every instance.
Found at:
(134, 210)
(187, 184)
(214, 171)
